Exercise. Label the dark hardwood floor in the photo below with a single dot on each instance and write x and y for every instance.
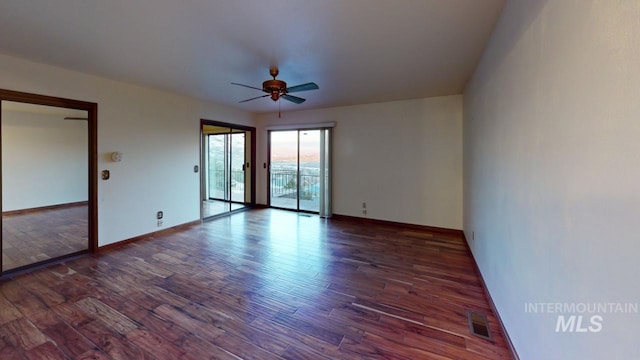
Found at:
(261, 284)
(42, 234)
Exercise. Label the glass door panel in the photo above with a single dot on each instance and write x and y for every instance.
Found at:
(309, 170)
(217, 175)
(237, 180)
(283, 182)
(217, 165)
(325, 173)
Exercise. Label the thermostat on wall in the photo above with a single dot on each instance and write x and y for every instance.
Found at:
(116, 156)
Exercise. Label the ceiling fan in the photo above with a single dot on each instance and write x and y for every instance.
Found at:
(277, 89)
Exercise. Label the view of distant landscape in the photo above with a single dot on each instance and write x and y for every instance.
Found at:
(284, 169)
(291, 186)
(225, 148)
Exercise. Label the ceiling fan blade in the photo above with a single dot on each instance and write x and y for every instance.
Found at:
(247, 86)
(257, 97)
(293, 99)
(303, 87)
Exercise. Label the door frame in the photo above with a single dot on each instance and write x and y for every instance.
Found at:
(92, 133)
(252, 158)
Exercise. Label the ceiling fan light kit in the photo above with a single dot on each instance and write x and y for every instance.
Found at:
(273, 86)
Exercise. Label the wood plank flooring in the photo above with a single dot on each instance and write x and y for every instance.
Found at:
(33, 236)
(262, 284)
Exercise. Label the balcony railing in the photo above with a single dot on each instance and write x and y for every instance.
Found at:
(284, 184)
(219, 180)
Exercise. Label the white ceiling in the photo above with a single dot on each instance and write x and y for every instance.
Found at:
(357, 51)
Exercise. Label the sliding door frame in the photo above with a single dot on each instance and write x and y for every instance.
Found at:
(92, 119)
(326, 192)
(252, 159)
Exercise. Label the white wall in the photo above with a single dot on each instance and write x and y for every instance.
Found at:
(552, 171)
(403, 158)
(157, 132)
(44, 160)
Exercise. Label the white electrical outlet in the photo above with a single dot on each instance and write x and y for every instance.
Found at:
(160, 222)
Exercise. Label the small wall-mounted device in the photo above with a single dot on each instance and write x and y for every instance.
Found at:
(195, 168)
(116, 156)
(159, 216)
(105, 175)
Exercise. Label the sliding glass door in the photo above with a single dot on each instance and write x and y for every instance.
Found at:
(226, 179)
(299, 170)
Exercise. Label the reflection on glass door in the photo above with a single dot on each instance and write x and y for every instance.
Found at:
(299, 170)
(225, 166)
(45, 183)
(218, 182)
(237, 165)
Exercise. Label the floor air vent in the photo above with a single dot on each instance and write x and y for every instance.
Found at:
(478, 324)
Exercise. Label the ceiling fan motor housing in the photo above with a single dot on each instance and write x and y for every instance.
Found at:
(275, 88)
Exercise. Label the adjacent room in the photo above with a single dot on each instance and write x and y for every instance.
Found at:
(361, 179)
(45, 166)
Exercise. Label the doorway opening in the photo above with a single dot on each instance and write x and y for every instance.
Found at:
(49, 179)
(299, 170)
(228, 176)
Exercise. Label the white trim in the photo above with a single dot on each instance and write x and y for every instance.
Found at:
(302, 126)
